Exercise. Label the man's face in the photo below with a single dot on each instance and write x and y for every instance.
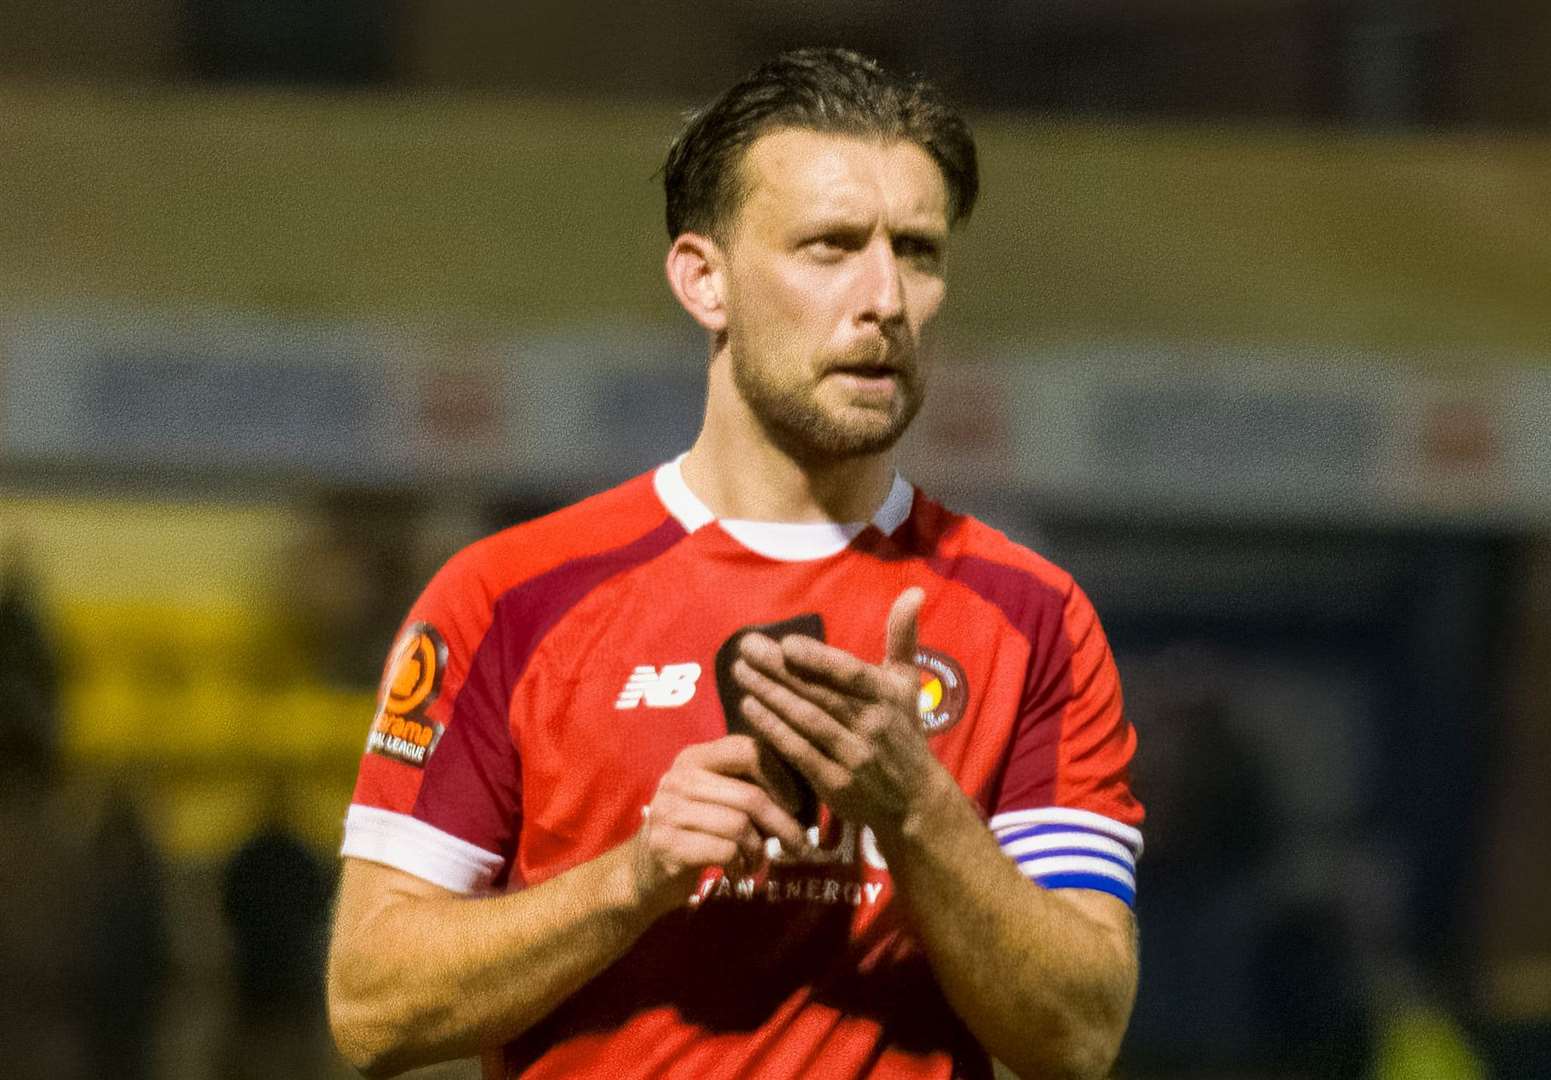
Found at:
(834, 271)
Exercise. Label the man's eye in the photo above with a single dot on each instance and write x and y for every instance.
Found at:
(918, 250)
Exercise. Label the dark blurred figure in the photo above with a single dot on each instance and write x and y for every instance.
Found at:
(129, 947)
(83, 952)
(347, 584)
(275, 895)
(29, 671)
(1236, 980)
(43, 950)
(1513, 904)
(1309, 989)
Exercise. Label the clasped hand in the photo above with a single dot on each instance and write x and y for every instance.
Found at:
(851, 728)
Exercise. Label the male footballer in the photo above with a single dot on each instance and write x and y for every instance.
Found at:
(762, 764)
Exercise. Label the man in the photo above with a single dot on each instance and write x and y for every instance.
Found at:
(716, 750)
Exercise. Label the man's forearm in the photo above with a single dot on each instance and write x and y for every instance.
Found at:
(416, 978)
(1046, 987)
(417, 974)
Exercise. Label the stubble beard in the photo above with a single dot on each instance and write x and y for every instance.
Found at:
(796, 420)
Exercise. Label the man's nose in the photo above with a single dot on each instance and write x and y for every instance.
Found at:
(883, 293)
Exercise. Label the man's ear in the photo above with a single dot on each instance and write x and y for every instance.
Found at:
(697, 274)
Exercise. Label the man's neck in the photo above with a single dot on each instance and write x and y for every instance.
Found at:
(758, 482)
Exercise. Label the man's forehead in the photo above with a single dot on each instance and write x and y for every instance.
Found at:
(817, 171)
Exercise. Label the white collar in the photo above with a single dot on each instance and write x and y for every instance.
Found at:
(787, 541)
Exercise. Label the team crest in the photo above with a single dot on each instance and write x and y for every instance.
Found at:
(944, 691)
(402, 730)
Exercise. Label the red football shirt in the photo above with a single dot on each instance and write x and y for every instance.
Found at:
(547, 677)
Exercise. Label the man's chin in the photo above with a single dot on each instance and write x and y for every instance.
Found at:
(843, 436)
(834, 421)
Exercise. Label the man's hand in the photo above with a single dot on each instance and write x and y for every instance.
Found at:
(714, 807)
(852, 728)
(1044, 981)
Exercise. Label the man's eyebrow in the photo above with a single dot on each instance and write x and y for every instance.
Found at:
(920, 231)
(832, 223)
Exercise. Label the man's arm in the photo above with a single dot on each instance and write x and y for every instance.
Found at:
(417, 974)
(1044, 979)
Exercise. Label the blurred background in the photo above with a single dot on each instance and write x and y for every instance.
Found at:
(1251, 332)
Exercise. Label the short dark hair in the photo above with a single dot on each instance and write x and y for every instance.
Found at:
(835, 91)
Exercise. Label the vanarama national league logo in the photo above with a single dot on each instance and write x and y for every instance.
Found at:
(402, 730)
(944, 691)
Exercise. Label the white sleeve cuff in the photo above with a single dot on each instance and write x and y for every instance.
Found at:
(409, 844)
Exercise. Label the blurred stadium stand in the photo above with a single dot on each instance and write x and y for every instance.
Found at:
(1250, 332)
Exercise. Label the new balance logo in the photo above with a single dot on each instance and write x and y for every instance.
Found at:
(665, 689)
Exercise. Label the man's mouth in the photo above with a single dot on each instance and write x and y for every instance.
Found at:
(869, 380)
(866, 371)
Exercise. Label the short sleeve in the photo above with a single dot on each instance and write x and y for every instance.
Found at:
(1064, 811)
(437, 794)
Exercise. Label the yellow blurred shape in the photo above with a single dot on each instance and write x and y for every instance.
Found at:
(210, 719)
(1422, 1042)
(200, 555)
(206, 816)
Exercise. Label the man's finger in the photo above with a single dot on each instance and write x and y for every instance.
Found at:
(834, 668)
(822, 727)
(767, 657)
(823, 773)
(714, 819)
(900, 635)
(859, 682)
(741, 757)
(689, 848)
(750, 801)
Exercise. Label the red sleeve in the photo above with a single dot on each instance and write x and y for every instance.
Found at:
(1065, 811)
(441, 726)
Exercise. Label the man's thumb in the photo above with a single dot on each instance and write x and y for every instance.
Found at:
(900, 638)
